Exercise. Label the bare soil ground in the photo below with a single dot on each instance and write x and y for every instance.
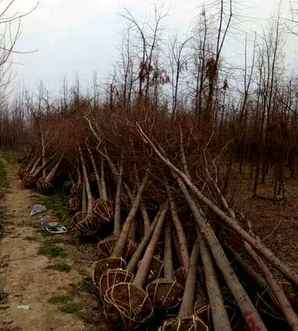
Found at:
(43, 280)
(275, 223)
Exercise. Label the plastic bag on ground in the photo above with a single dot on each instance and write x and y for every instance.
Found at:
(37, 209)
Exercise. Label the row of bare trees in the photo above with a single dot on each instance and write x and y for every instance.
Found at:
(150, 169)
(155, 198)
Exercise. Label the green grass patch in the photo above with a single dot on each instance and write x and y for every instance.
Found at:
(56, 202)
(9, 156)
(55, 240)
(50, 250)
(60, 300)
(66, 304)
(62, 267)
(3, 177)
(71, 308)
(3, 218)
(50, 238)
(86, 285)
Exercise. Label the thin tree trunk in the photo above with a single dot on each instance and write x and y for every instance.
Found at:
(256, 277)
(87, 184)
(35, 165)
(97, 176)
(277, 290)
(187, 305)
(219, 314)
(133, 262)
(168, 253)
(84, 199)
(121, 242)
(117, 215)
(103, 181)
(43, 152)
(147, 258)
(146, 218)
(179, 231)
(52, 173)
(267, 253)
(249, 312)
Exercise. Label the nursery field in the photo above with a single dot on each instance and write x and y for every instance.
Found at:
(164, 198)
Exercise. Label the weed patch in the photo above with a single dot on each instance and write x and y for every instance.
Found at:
(9, 156)
(50, 250)
(66, 304)
(60, 300)
(86, 285)
(3, 177)
(58, 204)
(62, 267)
(71, 308)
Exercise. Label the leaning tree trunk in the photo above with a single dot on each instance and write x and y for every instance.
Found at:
(117, 257)
(130, 299)
(31, 179)
(111, 277)
(84, 223)
(97, 176)
(179, 231)
(219, 314)
(44, 184)
(277, 290)
(249, 312)
(87, 184)
(117, 213)
(185, 319)
(230, 221)
(166, 292)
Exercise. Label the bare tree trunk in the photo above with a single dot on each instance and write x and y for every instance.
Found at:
(219, 314)
(147, 258)
(277, 290)
(168, 253)
(267, 253)
(146, 218)
(103, 186)
(117, 215)
(52, 173)
(97, 176)
(179, 231)
(187, 305)
(43, 152)
(133, 262)
(87, 184)
(249, 312)
(121, 242)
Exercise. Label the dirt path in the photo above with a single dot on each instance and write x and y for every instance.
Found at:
(25, 275)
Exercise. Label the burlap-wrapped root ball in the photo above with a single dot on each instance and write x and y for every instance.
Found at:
(203, 312)
(156, 269)
(131, 303)
(74, 204)
(44, 187)
(165, 293)
(85, 225)
(191, 323)
(106, 246)
(103, 211)
(29, 181)
(112, 277)
(101, 266)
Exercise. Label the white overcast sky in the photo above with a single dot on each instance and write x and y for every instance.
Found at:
(74, 37)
